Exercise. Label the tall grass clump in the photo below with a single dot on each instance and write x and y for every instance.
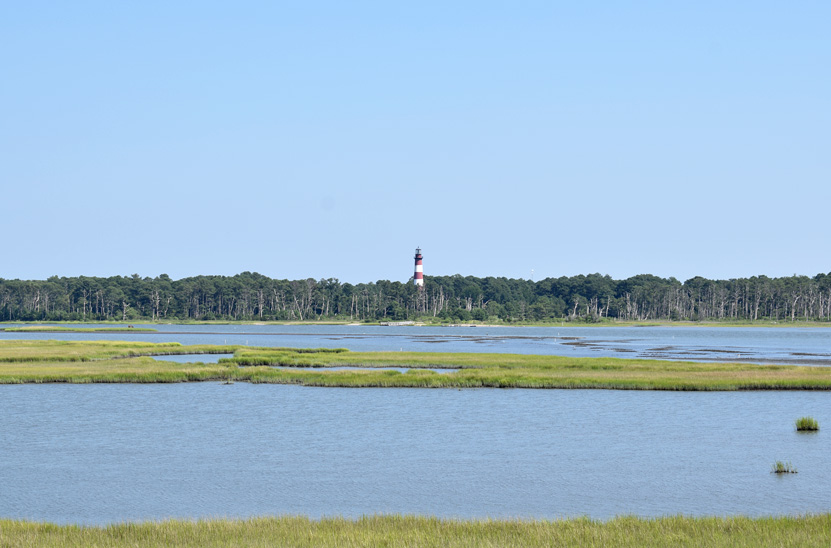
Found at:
(780, 467)
(807, 424)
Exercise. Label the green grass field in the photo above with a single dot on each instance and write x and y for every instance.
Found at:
(410, 531)
(29, 361)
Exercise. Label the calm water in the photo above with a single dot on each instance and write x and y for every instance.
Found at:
(190, 358)
(214, 358)
(807, 346)
(107, 453)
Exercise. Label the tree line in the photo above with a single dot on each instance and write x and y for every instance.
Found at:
(252, 296)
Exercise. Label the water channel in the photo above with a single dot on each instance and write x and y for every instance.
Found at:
(108, 453)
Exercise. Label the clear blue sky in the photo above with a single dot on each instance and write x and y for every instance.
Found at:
(329, 139)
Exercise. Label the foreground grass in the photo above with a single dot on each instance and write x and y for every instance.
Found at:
(410, 531)
(28, 361)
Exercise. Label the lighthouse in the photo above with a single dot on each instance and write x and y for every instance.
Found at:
(418, 277)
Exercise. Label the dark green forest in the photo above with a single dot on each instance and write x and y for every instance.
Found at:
(252, 296)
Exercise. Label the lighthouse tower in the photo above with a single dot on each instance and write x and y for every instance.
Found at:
(418, 277)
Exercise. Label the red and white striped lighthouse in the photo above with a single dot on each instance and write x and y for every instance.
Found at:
(418, 277)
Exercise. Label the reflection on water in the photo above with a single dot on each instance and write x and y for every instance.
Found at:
(107, 453)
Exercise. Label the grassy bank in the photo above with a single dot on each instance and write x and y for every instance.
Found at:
(613, 322)
(410, 531)
(64, 329)
(435, 322)
(29, 361)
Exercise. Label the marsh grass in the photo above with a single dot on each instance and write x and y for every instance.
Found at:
(780, 467)
(410, 531)
(519, 371)
(807, 424)
(103, 361)
(63, 329)
(113, 361)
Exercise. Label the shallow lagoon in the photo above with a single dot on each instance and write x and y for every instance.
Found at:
(106, 453)
(804, 346)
